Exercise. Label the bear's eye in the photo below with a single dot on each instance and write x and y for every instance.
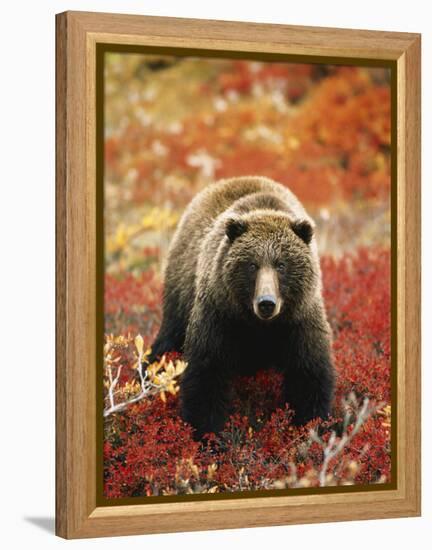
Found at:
(252, 267)
(280, 266)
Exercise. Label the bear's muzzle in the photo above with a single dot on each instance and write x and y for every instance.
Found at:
(267, 300)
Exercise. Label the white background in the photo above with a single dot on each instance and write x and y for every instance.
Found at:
(27, 271)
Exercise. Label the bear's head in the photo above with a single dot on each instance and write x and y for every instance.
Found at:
(269, 268)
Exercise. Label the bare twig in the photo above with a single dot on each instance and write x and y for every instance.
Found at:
(335, 445)
(157, 378)
(113, 383)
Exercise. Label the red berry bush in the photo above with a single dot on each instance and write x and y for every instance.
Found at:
(174, 126)
(149, 450)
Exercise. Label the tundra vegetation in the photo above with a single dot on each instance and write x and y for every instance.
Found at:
(172, 127)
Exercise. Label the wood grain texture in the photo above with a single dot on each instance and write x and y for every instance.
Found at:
(76, 512)
(412, 264)
(76, 283)
(230, 35)
(61, 253)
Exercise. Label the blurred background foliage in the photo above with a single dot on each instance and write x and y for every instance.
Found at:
(173, 125)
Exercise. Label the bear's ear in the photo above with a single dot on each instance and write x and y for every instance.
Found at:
(303, 229)
(234, 228)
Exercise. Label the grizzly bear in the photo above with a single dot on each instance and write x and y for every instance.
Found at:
(243, 293)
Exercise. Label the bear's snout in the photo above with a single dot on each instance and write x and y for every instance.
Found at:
(266, 305)
(267, 300)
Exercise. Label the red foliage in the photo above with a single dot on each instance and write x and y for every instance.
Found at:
(357, 294)
(334, 145)
(149, 450)
(142, 448)
(132, 304)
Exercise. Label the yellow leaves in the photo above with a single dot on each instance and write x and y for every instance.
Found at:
(154, 368)
(157, 219)
(194, 469)
(185, 470)
(164, 375)
(121, 341)
(142, 355)
(180, 367)
(211, 469)
(385, 413)
(139, 344)
(122, 235)
(381, 161)
(353, 468)
(113, 348)
(159, 378)
(120, 238)
(293, 142)
(172, 389)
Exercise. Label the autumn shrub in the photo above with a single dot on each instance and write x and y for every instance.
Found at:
(357, 290)
(326, 137)
(149, 450)
(133, 304)
(325, 132)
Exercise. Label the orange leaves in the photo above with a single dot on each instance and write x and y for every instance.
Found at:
(246, 123)
(325, 133)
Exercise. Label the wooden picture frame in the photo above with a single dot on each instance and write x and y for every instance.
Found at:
(78, 36)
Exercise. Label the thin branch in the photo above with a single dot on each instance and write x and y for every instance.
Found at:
(149, 383)
(336, 445)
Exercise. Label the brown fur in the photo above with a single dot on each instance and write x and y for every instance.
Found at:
(230, 229)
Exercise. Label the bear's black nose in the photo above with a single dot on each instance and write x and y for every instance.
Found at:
(266, 306)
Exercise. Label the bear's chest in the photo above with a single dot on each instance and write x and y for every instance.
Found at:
(257, 348)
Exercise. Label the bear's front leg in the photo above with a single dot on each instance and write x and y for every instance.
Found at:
(204, 396)
(205, 385)
(309, 373)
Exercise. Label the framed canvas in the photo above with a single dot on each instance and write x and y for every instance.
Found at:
(238, 274)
